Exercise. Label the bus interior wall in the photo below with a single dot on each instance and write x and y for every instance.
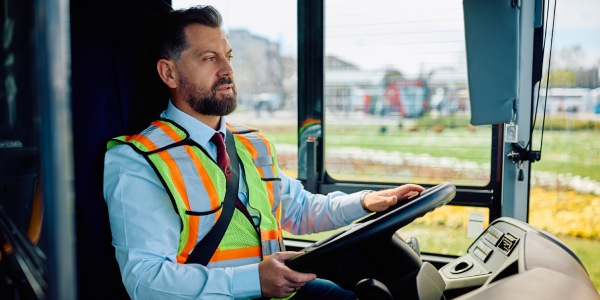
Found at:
(114, 92)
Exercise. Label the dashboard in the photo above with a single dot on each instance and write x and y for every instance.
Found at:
(514, 260)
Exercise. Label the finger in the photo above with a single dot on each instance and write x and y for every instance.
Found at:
(297, 286)
(410, 194)
(283, 256)
(408, 190)
(288, 290)
(299, 278)
(415, 187)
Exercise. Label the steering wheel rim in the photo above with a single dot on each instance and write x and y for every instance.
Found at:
(377, 226)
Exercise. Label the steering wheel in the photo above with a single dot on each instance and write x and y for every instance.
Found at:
(370, 248)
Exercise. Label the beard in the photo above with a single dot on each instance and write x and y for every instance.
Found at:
(205, 100)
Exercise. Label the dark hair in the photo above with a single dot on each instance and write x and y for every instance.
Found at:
(172, 33)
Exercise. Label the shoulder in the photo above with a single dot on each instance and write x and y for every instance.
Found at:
(123, 155)
(241, 129)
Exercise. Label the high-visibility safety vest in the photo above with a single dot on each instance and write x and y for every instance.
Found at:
(197, 185)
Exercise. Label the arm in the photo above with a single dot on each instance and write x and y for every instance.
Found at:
(304, 212)
(145, 232)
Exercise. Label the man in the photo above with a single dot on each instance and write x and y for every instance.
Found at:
(164, 187)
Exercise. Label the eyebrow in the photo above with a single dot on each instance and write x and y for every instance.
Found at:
(203, 52)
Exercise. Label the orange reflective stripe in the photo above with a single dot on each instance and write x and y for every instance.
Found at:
(221, 255)
(269, 234)
(182, 258)
(248, 144)
(280, 237)
(175, 173)
(168, 130)
(206, 181)
(270, 191)
(176, 176)
(150, 146)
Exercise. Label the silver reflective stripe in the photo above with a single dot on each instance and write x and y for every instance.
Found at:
(276, 195)
(264, 160)
(269, 247)
(158, 136)
(234, 262)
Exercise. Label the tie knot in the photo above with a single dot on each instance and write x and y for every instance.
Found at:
(217, 139)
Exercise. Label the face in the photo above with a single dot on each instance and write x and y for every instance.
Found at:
(205, 74)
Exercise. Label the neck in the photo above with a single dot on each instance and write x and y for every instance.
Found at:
(211, 121)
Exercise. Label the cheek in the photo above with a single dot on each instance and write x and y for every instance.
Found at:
(196, 73)
(199, 80)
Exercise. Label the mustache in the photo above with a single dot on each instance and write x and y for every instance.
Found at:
(222, 81)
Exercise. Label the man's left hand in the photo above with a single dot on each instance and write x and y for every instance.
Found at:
(381, 200)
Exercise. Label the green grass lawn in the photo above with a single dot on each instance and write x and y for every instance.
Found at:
(562, 151)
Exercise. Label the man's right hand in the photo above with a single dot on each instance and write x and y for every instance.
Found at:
(279, 281)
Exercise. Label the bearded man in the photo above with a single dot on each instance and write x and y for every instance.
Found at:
(165, 187)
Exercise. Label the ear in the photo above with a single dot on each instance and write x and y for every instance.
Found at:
(166, 71)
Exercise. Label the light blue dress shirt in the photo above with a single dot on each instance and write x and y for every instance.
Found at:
(145, 227)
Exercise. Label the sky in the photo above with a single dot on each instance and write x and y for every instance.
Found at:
(577, 24)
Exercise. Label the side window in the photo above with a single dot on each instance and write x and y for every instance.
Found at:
(396, 98)
(397, 108)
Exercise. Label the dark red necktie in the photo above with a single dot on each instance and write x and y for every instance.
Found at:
(222, 157)
(223, 162)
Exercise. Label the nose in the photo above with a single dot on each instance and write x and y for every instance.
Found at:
(226, 69)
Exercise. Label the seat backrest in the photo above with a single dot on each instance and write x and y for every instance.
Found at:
(114, 92)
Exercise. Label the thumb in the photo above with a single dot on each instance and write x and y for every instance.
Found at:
(283, 256)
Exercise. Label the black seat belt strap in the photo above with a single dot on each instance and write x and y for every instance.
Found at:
(205, 249)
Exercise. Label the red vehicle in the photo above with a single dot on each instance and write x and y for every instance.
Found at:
(409, 98)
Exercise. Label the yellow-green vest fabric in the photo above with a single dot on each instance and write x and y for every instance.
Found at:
(197, 185)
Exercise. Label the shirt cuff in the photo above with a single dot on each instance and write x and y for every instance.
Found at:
(246, 282)
(354, 210)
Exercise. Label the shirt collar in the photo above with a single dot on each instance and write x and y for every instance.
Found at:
(199, 132)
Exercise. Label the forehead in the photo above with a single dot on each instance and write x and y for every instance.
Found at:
(202, 38)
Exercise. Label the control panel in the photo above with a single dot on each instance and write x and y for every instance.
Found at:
(487, 254)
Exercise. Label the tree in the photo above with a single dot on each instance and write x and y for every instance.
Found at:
(561, 78)
(570, 69)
